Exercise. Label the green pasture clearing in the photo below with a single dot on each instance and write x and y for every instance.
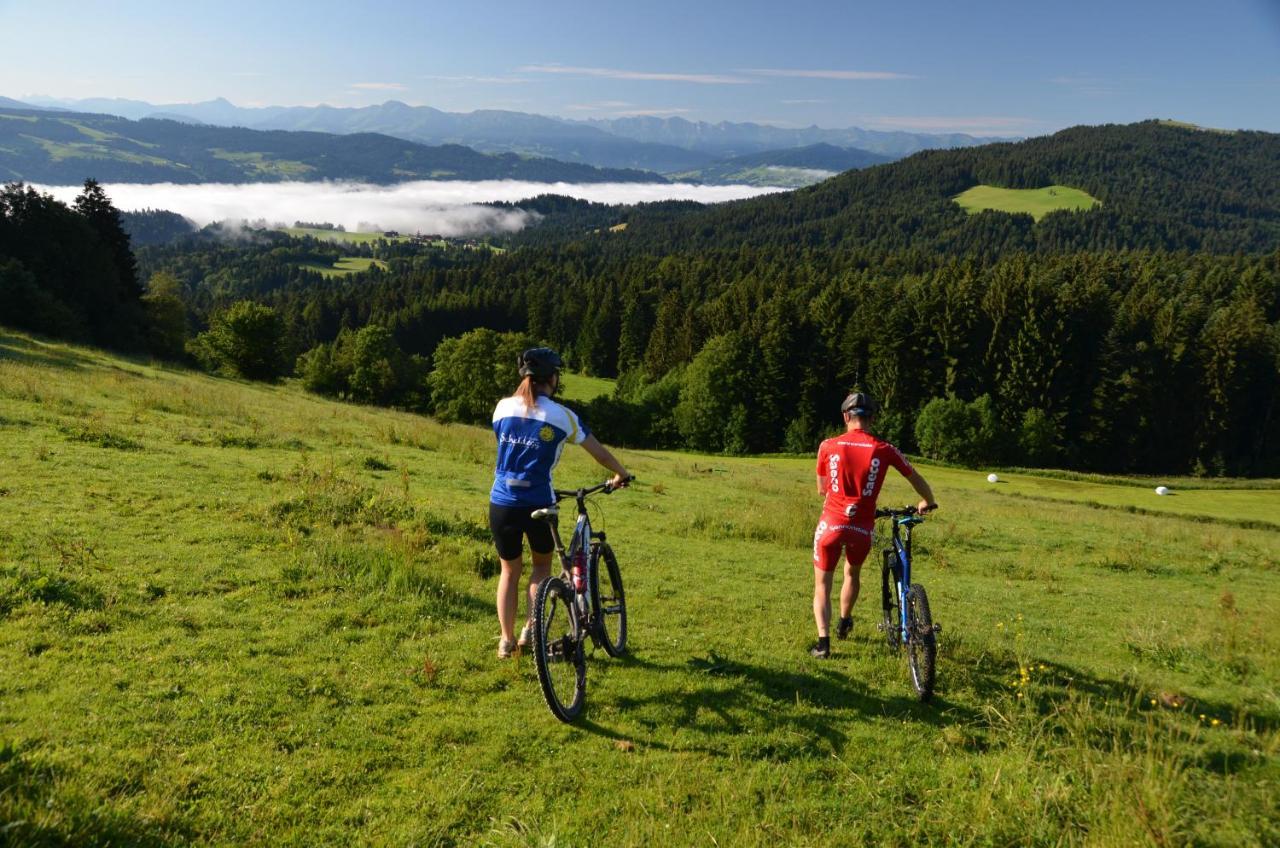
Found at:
(259, 165)
(344, 266)
(341, 236)
(1186, 125)
(233, 613)
(1036, 202)
(584, 388)
(93, 133)
(58, 151)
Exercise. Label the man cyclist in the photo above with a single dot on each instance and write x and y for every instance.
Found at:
(851, 470)
(531, 430)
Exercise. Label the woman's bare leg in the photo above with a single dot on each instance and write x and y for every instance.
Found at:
(541, 571)
(508, 596)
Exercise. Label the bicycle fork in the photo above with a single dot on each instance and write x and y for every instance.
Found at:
(895, 577)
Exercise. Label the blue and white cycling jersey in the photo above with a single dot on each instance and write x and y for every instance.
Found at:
(529, 444)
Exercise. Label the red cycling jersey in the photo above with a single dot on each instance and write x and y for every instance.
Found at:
(852, 467)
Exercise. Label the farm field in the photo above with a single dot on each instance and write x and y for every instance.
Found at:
(233, 613)
(345, 265)
(340, 235)
(1036, 202)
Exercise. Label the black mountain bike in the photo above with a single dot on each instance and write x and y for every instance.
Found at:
(586, 600)
(907, 620)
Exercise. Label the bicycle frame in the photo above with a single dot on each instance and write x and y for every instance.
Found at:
(902, 579)
(579, 546)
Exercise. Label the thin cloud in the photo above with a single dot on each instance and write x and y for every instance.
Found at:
(451, 208)
(480, 79)
(827, 74)
(802, 101)
(973, 125)
(617, 73)
(379, 86)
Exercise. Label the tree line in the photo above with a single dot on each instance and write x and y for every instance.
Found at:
(1144, 361)
(1147, 340)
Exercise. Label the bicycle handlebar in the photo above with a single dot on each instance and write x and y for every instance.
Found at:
(607, 487)
(905, 511)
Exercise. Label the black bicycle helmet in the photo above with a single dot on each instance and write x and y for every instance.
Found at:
(540, 363)
(860, 404)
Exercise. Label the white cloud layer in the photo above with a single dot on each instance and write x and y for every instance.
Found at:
(451, 208)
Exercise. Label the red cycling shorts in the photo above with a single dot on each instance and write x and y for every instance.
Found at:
(834, 536)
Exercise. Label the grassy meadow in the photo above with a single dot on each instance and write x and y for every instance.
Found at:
(340, 236)
(584, 388)
(345, 266)
(1036, 202)
(233, 613)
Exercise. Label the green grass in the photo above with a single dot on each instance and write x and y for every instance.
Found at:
(59, 151)
(259, 165)
(1036, 202)
(233, 613)
(1190, 126)
(340, 236)
(583, 388)
(344, 266)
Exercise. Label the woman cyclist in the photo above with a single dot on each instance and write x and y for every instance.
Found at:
(851, 470)
(531, 430)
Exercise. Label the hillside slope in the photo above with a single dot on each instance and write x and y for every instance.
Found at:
(233, 613)
(66, 148)
(1160, 186)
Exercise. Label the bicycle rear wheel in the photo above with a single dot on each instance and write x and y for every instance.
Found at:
(922, 642)
(608, 600)
(891, 623)
(557, 644)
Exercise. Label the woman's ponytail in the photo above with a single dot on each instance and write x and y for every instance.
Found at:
(526, 393)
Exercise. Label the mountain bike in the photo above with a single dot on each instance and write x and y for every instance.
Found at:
(586, 600)
(907, 619)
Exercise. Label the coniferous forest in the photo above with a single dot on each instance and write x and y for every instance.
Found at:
(1140, 336)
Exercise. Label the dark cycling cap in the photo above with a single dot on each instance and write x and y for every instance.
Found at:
(858, 403)
(539, 363)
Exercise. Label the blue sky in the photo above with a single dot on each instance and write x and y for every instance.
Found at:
(988, 68)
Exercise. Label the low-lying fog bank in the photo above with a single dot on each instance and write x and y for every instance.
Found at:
(450, 208)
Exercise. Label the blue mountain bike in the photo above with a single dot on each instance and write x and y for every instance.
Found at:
(907, 619)
(585, 602)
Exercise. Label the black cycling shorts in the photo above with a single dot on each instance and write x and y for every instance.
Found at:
(510, 524)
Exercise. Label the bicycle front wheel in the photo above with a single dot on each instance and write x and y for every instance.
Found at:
(608, 600)
(922, 642)
(557, 644)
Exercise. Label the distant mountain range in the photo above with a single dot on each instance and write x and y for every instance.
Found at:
(794, 167)
(665, 145)
(59, 147)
